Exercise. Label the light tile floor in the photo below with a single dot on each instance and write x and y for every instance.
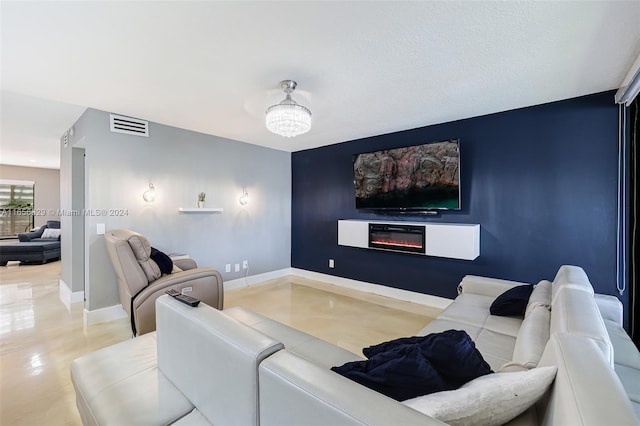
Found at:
(348, 318)
(39, 338)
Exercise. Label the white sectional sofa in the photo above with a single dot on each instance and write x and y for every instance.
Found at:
(204, 366)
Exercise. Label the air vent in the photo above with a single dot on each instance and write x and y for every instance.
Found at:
(128, 125)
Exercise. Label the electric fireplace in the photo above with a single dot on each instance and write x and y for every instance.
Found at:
(404, 238)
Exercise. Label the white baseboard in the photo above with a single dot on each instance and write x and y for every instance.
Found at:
(256, 279)
(105, 314)
(382, 290)
(68, 297)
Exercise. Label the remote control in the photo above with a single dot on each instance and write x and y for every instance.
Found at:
(187, 300)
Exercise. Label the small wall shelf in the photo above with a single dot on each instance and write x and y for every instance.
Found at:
(208, 210)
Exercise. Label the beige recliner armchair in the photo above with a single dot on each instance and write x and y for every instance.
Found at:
(140, 281)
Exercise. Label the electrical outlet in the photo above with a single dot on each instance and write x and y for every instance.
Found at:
(227, 267)
(245, 264)
(237, 267)
(186, 290)
(332, 264)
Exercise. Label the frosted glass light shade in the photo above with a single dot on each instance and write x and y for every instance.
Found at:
(244, 198)
(150, 194)
(288, 118)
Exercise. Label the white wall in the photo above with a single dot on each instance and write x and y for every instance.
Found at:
(181, 164)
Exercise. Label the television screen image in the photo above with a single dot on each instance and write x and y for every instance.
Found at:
(417, 177)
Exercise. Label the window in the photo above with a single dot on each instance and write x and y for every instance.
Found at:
(16, 207)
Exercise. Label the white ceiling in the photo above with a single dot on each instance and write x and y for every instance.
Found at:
(363, 68)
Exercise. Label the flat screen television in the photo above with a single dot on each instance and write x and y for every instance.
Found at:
(417, 177)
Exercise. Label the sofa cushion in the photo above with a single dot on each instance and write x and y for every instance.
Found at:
(142, 251)
(532, 337)
(121, 384)
(630, 379)
(503, 325)
(473, 299)
(626, 362)
(513, 302)
(496, 348)
(493, 399)
(460, 311)
(440, 324)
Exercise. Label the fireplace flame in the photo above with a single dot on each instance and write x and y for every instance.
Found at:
(397, 243)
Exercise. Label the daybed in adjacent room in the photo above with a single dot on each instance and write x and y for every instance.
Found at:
(39, 246)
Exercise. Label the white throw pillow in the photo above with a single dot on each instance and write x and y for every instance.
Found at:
(493, 399)
(50, 233)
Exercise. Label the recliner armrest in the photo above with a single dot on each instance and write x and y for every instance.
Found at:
(205, 283)
(185, 264)
(179, 280)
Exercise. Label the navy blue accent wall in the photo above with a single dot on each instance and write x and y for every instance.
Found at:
(541, 181)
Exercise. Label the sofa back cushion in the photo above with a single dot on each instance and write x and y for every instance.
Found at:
(586, 389)
(575, 311)
(532, 337)
(131, 277)
(212, 359)
(142, 251)
(570, 277)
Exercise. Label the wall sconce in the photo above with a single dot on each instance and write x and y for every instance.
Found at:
(244, 198)
(150, 194)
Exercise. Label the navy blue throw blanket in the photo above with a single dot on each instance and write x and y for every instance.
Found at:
(412, 366)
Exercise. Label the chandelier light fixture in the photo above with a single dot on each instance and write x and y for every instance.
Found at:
(288, 118)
